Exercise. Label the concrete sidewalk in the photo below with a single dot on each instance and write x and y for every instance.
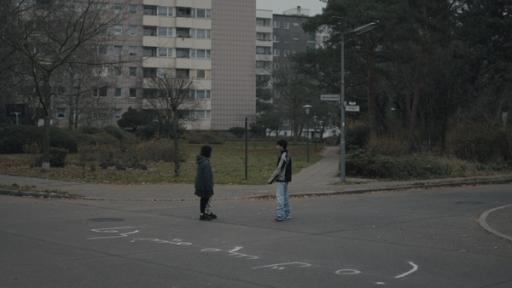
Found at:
(319, 179)
(316, 180)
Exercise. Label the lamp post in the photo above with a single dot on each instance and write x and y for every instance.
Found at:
(307, 108)
(358, 30)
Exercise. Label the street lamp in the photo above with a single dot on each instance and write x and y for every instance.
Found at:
(358, 30)
(307, 108)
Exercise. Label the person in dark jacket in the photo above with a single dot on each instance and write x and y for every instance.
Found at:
(204, 183)
(282, 175)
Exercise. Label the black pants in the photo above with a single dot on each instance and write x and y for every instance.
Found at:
(204, 204)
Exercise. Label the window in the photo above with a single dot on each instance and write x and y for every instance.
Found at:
(163, 11)
(201, 53)
(117, 50)
(102, 49)
(285, 25)
(117, 70)
(149, 93)
(182, 73)
(202, 34)
(182, 53)
(61, 113)
(133, 8)
(261, 50)
(264, 22)
(133, 92)
(201, 74)
(134, 50)
(133, 71)
(183, 12)
(199, 114)
(132, 30)
(276, 39)
(149, 72)
(277, 52)
(183, 32)
(117, 7)
(263, 64)
(102, 91)
(149, 52)
(162, 31)
(277, 24)
(150, 10)
(263, 36)
(201, 13)
(117, 92)
(149, 31)
(163, 52)
(116, 30)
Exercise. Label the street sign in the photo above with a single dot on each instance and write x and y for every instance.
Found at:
(330, 97)
(352, 108)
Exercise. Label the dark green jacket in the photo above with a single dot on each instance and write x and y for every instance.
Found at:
(204, 177)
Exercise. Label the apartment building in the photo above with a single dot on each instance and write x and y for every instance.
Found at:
(209, 42)
(264, 44)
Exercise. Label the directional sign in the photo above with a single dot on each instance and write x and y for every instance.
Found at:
(330, 97)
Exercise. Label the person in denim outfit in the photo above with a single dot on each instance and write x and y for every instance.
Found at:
(282, 176)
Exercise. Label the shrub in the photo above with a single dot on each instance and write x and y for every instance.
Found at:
(357, 136)
(13, 138)
(237, 131)
(209, 137)
(388, 145)
(90, 130)
(480, 142)
(122, 136)
(61, 138)
(57, 158)
(159, 150)
(364, 164)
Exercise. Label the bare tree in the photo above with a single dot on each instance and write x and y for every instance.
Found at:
(49, 36)
(168, 99)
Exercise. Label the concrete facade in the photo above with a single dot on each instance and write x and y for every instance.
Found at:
(233, 75)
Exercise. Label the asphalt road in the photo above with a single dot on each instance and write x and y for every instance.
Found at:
(420, 238)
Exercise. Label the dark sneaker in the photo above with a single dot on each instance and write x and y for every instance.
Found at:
(279, 219)
(205, 217)
(212, 216)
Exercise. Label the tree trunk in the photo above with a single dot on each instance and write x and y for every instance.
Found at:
(372, 99)
(413, 115)
(46, 91)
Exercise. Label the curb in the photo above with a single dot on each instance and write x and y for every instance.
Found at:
(46, 195)
(419, 185)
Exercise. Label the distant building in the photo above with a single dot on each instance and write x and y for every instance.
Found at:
(210, 42)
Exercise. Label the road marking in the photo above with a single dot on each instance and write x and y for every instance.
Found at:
(347, 272)
(414, 269)
(483, 222)
(113, 230)
(282, 266)
(234, 252)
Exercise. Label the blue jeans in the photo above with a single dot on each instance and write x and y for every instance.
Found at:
(283, 206)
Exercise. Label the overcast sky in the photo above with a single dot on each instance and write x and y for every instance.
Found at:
(278, 6)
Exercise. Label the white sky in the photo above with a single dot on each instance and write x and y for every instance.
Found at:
(278, 6)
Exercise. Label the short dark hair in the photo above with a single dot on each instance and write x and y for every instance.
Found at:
(283, 143)
(206, 151)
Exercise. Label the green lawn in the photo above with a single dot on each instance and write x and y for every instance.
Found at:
(227, 163)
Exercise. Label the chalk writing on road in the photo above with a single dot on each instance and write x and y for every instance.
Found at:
(118, 232)
(126, 231)
(283, 266)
